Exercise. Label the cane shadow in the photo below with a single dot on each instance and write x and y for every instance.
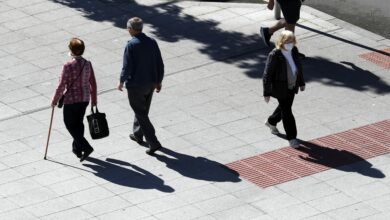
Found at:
(199, 168)
(343, 74)
(126, 174)
(339, 159)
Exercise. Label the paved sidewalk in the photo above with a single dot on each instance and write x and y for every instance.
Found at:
(209, 115)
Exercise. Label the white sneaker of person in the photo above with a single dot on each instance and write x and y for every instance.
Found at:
(274, 129)
(294, 143)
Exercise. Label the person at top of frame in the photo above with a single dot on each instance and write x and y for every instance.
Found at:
(291, 12)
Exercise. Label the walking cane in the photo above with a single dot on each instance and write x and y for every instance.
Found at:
(48, 135)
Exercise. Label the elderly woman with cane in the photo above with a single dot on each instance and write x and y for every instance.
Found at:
(282, 79)
(78, 81)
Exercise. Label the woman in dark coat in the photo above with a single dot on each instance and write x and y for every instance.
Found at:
(282, 79)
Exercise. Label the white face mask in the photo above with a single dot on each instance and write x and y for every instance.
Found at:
(288, 46)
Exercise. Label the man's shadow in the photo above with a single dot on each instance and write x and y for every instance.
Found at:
(332, 157)
(197, 167)
(113, 171)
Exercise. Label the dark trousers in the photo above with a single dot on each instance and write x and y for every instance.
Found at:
(284, 113)
(73, 119)
(140, 99)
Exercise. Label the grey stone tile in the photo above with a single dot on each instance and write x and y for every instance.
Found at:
(369, 191)
(21, 23)
(201, 193)
(332, 202)
(22, 158)
(49, 207)
(72, 186)
(350, 180)
(186, 212)
(138, 196)
(356, 211)
(9, 176)
(6, 205)
(106, 205)
(241, 212)
(132, 212)
(276, 203)
(88, 196)
(314, 191)
(240, 126)
(73, 213)
(18, 95)
(220, 203)
(187, 127)
(380, 216)
(34, 196)
(55, 176)
(37, 8)
(163, 204)
(319, 217)
(13, 147)
(11, 15)
(380, 203)
(53, 15)
(205, 135)
(18, 214)
(298, 183)
(237, 153)
(222, 144)
(298, 211)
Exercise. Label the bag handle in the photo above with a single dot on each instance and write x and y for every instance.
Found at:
(97, 110)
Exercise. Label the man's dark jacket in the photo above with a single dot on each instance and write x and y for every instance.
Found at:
(142, 62)
(275, 81)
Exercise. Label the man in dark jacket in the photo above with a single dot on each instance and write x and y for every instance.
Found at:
(142, 73)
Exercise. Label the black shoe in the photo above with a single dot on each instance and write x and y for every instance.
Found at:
(151, 149)
(265, 35)
(134, 138)
(77, 153)
(86, 154)
(301, 56)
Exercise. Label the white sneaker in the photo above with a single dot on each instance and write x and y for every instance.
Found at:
(274, 129)
(294, 143)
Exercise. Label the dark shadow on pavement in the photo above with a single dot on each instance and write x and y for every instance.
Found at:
(334, 158)
(126, 174)
(344, 74)
(197, 167)
(170, 23)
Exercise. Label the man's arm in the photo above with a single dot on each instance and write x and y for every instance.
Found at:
(160, 69)
(126, 69)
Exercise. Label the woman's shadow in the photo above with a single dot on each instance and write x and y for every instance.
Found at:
(197, 167)
(114, 171)
(332, 157)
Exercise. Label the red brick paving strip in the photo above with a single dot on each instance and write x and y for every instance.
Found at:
(379, 59)
(286, 164)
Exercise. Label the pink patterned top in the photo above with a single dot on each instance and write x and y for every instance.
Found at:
(83, 87)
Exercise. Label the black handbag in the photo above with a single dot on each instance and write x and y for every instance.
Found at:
(61, 101)
(98, 127)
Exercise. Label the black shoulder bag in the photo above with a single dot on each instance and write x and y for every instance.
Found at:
(61, 101)
(98, 126)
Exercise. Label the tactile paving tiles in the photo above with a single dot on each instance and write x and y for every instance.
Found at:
(286, 164)
(380, 59)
